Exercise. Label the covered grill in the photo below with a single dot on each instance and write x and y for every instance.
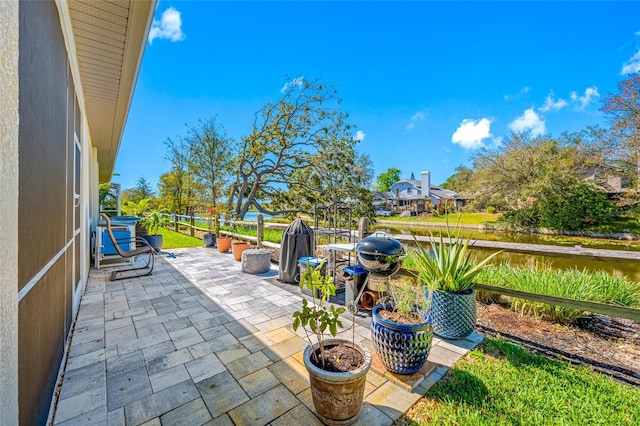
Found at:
(297, 241)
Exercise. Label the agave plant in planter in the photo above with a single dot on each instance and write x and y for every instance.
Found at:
(401, 331)
(449, 272)
(337, 367)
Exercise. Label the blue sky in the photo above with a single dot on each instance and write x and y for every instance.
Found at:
(425, 83)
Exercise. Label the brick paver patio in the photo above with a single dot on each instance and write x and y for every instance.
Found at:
(200, 342)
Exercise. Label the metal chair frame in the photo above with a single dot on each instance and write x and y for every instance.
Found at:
(145, 248)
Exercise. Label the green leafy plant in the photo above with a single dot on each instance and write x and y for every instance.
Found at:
(155, 219)
(213, 215)
(136, 209)
(318, 317)
(107, 197)
(593, 286)
(408, 297)
(451, 268)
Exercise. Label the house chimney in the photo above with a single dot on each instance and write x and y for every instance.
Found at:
(425, 179)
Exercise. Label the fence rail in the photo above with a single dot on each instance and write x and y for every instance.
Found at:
(189, 222)
(582, 305)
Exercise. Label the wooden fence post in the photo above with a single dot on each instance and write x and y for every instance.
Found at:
(363, 227)
(175, 222)
(193, 223)
(260, 229)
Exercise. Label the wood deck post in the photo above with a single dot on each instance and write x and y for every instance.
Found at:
(260, 229)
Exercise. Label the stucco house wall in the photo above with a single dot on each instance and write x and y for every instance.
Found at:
(51, 148)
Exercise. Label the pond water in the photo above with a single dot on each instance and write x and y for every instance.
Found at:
(631, 270)
(253, 216)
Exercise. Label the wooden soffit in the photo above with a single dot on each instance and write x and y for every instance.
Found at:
(109, 39)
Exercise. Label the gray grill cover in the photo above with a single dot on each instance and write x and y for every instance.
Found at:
(297, 241)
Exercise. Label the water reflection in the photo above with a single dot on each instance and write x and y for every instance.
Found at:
(631, 270)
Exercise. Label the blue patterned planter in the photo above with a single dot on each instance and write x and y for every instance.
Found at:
(453, 314)
(403, 348)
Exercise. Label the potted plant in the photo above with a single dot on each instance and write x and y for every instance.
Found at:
(210, 238)
(137, 209)
(401, 331)
(449, 274)
(337, 367)
(152, 221)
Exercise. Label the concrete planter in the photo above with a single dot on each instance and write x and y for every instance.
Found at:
(337, 397)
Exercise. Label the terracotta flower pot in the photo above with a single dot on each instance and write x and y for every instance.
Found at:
(224, 244)
(237, 247)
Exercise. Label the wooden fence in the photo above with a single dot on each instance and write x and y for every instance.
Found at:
(582, 305)
(189, 222)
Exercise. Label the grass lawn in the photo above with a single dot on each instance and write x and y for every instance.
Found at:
(500, 384)
(465, 218)
(172, 239)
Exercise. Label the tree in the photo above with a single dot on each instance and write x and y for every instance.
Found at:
(512, 175)
(339, 178)
(623, 112)
(142, 190)
(388, 178)
(282, 162)
(565, 204)
(573, 204)
(177, 187)
(459, 181)
(210, 162)
(413, 177)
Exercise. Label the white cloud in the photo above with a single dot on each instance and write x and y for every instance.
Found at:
(521, 92)
(416, 118)
(360, 135)
(470, 133)
(296, 82)
(529, 121)
(169, 26)
(633, 64)
(589, 94)
(551, 105)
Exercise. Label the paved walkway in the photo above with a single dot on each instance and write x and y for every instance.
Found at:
(200, 342)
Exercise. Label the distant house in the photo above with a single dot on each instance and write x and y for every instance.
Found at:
(418, 196)
(382, 203)
(608, 178)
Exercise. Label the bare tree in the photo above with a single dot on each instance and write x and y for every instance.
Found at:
(623, 111)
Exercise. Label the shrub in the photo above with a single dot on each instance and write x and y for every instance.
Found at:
(528, 217)
(574, 284)
(579, 206)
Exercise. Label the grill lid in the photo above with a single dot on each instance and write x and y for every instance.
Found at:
(379, 255)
